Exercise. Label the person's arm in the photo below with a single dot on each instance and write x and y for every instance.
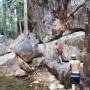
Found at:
(56, 48)
(81, 65)
(69, 67)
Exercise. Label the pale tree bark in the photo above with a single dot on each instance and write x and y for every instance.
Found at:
(20, 26)
(26, 31)
(4, 17)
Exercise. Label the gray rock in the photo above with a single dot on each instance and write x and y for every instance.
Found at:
(73, 43)
(4, 43)
(60, 71)
(49, 21)
(36, 82)
(25, 47)
(10, 65)
(56, 86)
(37, 61)
(20, 72)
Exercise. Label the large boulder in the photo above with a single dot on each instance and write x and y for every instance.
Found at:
(73, 43)
(48, 15)
(59, 70)
(4, 42)
(25, 47)
(10, 64)
(79, 18)
(57, 29)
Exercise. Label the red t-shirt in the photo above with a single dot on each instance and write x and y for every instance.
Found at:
(59, 47)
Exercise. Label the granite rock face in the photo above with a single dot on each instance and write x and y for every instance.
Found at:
(25, 47)
(4, 43)
(8, 64)
(72, 43)
(11, 64)
(51, 19)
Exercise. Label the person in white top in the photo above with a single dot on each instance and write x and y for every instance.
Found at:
(74, 67)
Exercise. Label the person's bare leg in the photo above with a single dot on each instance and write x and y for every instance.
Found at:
(77, 86)
(73, 87)
(60, 59)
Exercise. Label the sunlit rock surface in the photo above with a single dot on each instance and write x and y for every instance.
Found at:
(10, 65)
(73, 43)
(56, 86)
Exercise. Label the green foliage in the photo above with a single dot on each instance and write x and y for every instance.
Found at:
(10, 10)
(18, 2)
(1, 16)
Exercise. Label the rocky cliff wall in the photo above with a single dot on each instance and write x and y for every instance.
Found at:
(53, 17)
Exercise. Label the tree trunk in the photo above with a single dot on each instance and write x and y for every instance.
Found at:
(87, 43)
(25, 18)
(20, 26)
(4, 17)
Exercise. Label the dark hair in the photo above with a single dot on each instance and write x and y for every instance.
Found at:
(56, 43)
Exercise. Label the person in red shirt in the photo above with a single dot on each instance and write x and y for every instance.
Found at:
(59, 49)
